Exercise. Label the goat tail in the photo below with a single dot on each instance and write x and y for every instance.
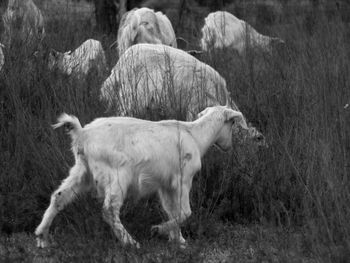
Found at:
(70, 123)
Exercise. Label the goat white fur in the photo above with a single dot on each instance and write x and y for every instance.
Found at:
(222, 29)
(79, 62)
(143, 25)
(117, 154)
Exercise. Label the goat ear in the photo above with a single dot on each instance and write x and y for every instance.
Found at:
(52, 52)
(233, 115)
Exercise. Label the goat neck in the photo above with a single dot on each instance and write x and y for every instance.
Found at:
(206, 129)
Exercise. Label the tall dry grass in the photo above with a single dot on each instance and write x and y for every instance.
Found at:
(295, 97)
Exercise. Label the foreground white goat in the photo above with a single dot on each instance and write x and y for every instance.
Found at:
(148, 74)
(222, 29)
(24, 24)
(143, 25)
(113, 155)
(2, 57)
(88, 55)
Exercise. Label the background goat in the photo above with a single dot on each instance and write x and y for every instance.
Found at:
(222, 29)
(88, 55)
(115, 154)
(143, 25)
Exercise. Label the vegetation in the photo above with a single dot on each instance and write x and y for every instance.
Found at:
(289, 202)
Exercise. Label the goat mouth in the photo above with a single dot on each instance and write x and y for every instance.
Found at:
(262, 143)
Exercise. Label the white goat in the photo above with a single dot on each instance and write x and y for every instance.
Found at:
(148, 74)
(88, 55)
(222, 29)
(113, 155)
(24, 24)
(2, 57)
(143, 25)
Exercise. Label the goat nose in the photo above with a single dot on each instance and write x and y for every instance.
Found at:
(259, 137)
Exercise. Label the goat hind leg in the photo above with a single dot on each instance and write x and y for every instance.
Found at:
(74, 184)
(114, 198)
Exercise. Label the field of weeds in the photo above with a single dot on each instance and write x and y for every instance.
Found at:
(287, 203)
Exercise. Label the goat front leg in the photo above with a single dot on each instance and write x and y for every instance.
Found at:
(177, 206)
(74, 184)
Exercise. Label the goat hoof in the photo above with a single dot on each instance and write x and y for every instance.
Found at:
(183, 245)
(41, 242)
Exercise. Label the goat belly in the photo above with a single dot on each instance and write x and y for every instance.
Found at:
(147, 184)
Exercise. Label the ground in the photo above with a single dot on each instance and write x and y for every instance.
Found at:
(223, 243)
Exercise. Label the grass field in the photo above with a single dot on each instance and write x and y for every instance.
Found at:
(287, 203)
(229, 243)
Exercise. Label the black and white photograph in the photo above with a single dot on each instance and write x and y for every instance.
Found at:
(151, 131)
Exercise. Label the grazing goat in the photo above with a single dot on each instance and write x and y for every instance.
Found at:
(23, 25)
(2, 57)
(88, 55)
(143, 25)
(117, 154)
(148, 74)
(222, 29)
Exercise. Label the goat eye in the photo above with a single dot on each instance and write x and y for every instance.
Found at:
(68, 127)
(231, 120)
